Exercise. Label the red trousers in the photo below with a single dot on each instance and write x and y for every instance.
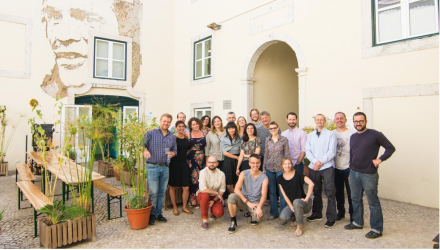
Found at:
(216, 209)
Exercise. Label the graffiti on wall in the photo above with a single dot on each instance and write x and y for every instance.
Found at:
(67, 26)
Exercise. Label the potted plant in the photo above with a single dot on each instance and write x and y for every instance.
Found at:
(106, 115)
(1, 217)
(4, 141)
(131, 134)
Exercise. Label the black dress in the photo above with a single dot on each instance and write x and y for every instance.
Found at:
(180, 174)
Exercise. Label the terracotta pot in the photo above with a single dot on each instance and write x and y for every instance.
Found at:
(116, 170)
(139, 218)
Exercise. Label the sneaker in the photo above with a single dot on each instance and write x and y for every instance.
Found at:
(372, 235)
(351, 219)
(232, 227)
(152, 220)
(329, 224)
(313, 217)
(340, 217)
(204, 225)
(212, 217)
(161, 218)
(351, 226)
(254, 222)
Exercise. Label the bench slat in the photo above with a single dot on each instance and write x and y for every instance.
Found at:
(24, 172)
(34, 195)
(107, 188)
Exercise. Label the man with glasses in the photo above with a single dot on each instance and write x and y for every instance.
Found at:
(321, 151)
(212, 185)
(364, 148)
(342, 171)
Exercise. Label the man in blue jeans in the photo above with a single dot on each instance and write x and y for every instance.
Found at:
(364, 148)
(160, 145)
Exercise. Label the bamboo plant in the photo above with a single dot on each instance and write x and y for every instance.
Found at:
(5, 141)
(131, 138)
(107, 115)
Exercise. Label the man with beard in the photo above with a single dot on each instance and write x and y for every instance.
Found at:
(297, 141)
(364, 148)
(342, 171)
(255, 117)
(212, 185)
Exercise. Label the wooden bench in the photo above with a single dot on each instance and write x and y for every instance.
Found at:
(25, 174)
(35, 197)
(112, 193)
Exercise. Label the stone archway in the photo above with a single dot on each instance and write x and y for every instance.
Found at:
(248, 79)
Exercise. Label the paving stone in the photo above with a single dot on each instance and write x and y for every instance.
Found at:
(405, 226)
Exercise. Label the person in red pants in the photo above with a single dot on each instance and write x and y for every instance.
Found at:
(212, 185)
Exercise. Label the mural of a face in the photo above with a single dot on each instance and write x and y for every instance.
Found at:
(67, 27)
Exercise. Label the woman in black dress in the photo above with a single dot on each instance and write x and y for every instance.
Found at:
(231, 150)
(180, 175)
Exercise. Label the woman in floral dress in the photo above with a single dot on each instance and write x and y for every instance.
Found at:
(196, 156)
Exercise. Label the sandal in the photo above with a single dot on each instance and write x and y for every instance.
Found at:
(187, 211)
(176, 213)
(247, 214)
(298, 232)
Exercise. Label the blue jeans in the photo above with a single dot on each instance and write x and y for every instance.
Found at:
(341, 180)
(157, 177)
(273, 187)
(359, 183)
(299, 167)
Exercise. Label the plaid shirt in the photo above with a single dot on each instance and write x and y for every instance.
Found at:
(156, 143)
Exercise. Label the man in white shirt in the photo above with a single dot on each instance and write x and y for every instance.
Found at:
(342, 170)
(212, 185)
(297, 141)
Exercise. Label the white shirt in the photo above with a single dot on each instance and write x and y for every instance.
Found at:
(214, 181)
(343, 149)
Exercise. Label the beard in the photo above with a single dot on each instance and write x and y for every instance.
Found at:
(362, 128)
(211, 167)
(292, 126)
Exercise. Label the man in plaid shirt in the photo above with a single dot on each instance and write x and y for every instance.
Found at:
(156, 141)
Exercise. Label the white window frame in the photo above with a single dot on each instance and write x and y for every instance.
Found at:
(110, 59)
(203, 42)
(405, 20)
(124, 113)
(63, 123)
(203, 111)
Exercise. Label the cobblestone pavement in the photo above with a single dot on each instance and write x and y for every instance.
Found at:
(405, 225)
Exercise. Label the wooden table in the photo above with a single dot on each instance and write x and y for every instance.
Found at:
(69, 172)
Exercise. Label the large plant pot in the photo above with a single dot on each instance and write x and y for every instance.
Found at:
(4, 168)
(139, 218)
(116, 170)
(105, 168)
(68, 232)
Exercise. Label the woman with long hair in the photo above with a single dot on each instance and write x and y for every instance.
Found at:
(196, 156)
(206, 121)
(180, 175)
(231, 150)
(276, 148)
(213, 141)
(291, 185)
(241, 123)
(251, 145)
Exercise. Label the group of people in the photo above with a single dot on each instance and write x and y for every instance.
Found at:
(245, 165)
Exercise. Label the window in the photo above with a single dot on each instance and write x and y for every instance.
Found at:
(202, 58)
(404, 19)
(199, 113)
(110, 59)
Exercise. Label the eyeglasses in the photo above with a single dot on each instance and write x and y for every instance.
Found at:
(212, 162)
(360, 122)
(273, 128)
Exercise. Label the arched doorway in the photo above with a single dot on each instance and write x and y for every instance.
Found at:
(276, 82)
(248, 77)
